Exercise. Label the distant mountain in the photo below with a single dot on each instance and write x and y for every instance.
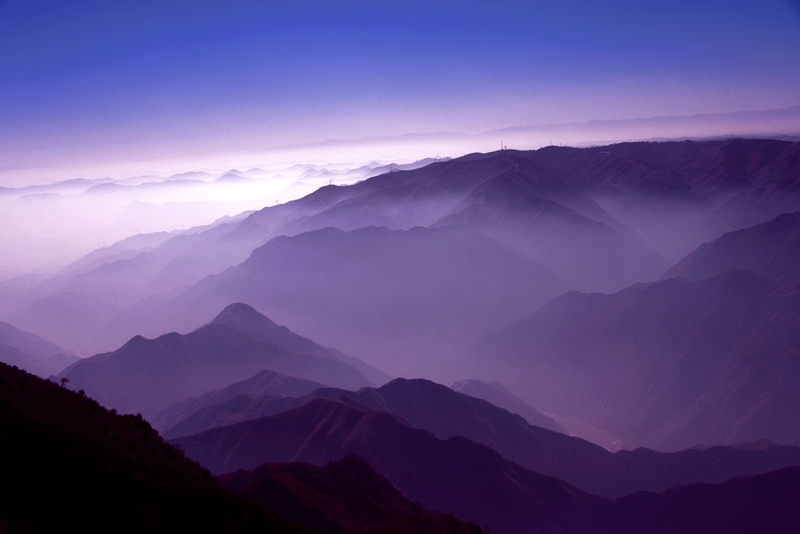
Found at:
(446, 414)
(410, 301)
(771, 249)
(600, 217)
(675, 168)
(499, 395)
(537, 211)
(68, 461)
(32, 353)
(343, 496)
(245, 319)
(665, 365)
(147, 375)
(764, 203)
(456, 476)
(263, 383)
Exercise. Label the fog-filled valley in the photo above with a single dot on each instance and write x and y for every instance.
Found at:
(597, 339)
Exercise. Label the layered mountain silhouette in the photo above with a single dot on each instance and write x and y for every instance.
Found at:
(263, 383)
(620, 207)
(457, 476)
(460, 268)
(666, 365)
(473, 482)
(446, 414)
(343, 496)
(147, 375)
(771, 249)
(68, 461)
(519, 208)
(32, 353)
(410, 301)
(500, 396)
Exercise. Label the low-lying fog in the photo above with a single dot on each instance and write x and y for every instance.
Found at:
(47, 226)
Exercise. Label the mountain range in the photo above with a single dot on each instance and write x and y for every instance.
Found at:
(601, 218)
(147, 375)
(642, 293)
(770, 249)
(666, 365)
(474, 482)
(32, 353)
(448, 414)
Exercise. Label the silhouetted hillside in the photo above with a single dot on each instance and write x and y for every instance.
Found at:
(666, 365)
(344, 496)
(69, 464)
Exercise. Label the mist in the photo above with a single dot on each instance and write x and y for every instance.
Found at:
(48, 226)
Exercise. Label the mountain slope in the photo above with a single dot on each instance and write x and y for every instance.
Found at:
(525, 208)
(765, 502)
(637, 200)
(666, 365)
(771, 249)
(32, 353)
(472, 481)
(263, 383)
(343, 496)
(147, 375)
(457, 476)
(500, 396)
(409, 301)
(446, 414)
(245, 319)
(68, 461)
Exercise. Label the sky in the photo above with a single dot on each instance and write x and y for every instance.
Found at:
(92, 84)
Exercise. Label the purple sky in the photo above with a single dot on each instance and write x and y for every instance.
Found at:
(125, 81)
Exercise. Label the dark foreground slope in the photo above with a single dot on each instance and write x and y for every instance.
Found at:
(667, 365)
(147, 375)
(345, 496)
(446, 414)
(69, 463)
(766, 503)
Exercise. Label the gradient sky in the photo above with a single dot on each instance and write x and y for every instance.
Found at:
(124, 80)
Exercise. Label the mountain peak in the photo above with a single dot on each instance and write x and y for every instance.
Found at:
(239, 310)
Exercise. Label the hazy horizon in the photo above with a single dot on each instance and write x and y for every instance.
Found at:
(94, 89)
